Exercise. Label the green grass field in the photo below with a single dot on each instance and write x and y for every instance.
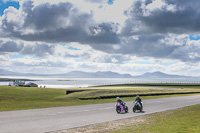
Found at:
(19, 98)
(184, 120)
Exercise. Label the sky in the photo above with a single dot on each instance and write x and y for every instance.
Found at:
(124, 36)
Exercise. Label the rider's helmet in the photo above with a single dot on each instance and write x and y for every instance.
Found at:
(117, 98)
(137, 96)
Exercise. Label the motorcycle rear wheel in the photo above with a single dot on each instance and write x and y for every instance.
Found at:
(126, 109)
(141, 108)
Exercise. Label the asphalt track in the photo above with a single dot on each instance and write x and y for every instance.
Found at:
(52, 119)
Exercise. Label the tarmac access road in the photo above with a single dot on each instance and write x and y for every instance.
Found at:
(53, 119)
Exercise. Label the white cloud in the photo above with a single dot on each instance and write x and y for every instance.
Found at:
(156, 4)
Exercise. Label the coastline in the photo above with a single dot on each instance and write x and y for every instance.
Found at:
(12, 79)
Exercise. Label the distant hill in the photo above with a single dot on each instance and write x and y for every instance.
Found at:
(159, 74)
(99, 74)
(106, 74)
(8, 73)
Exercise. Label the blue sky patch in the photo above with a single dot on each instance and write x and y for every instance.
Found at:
(64, 44)
(22, 56)
(110, 2)
(16, 56)
(194, 37)
(145, 58)
(72, 48)
(78, 60)
(69, 47)
(143, 62)
(3, 5)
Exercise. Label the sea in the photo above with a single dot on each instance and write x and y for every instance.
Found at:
(68, 82)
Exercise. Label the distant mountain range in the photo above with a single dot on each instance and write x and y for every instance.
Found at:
(159, 74)
(105, 74)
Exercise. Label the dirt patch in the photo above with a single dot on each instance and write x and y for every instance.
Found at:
(107, 126)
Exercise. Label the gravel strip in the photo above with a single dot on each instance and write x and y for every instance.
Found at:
(106, 127)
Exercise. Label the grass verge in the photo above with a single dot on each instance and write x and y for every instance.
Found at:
(184, 120)
(20, 98)
(132, 92)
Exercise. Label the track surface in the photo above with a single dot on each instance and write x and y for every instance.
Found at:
(52, 119)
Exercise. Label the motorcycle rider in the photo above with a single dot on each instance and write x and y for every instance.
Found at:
(138, 99)
(120, 101)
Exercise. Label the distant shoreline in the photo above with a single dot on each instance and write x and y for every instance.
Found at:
(12, 79)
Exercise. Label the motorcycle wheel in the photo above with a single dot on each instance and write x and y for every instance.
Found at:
(118, 109)
(141, 109)
(134, 109)
(126, 109)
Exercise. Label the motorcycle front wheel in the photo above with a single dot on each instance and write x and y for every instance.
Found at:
(118, 110)
(134, 109)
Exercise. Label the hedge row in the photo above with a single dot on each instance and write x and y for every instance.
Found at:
(134, 95)
(72, 91)
(157, 84)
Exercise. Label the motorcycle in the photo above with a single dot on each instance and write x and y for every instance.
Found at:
(121, 108)
(137, 106)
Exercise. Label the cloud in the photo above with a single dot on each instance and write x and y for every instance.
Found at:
(56, 23)
(95, 1)
(39, 50)
(10, 47)
(158, 46)
(150, 30)
(167, 17)
(160, 29)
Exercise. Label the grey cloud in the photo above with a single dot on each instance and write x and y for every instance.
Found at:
(59, 23)
(185, 18)
(151, 46)
(10, 47)
(75, 34)
(158, 24)
(147, 45)
(189, 53)
(105, 33)
(46, 16)
(39, 50)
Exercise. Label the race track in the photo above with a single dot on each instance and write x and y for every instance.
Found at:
(52, 119)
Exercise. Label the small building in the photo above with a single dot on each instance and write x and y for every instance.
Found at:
(30, 84)
(17, 83)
